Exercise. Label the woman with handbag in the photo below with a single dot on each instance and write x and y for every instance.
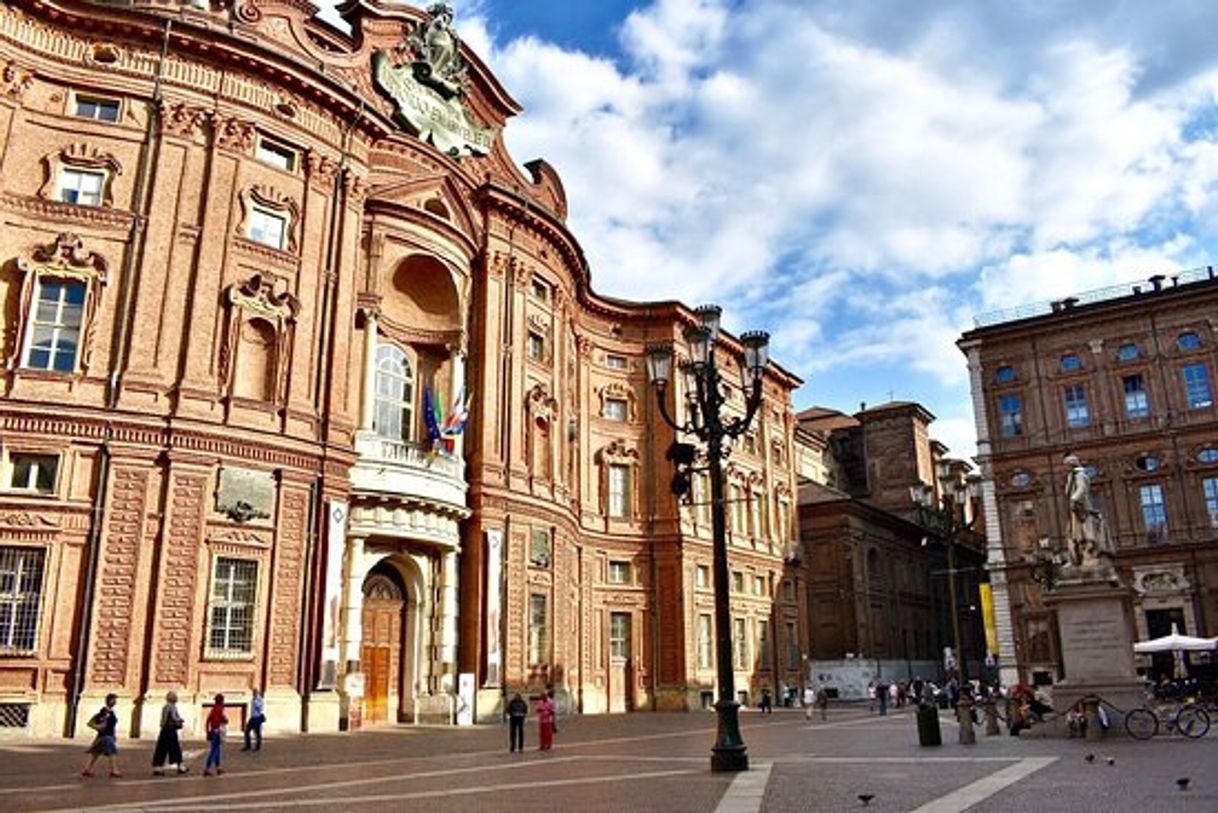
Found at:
(215, 726)
(105, 744)
(168, 746)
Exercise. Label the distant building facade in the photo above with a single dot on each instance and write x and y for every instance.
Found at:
(1124, 379)
(876, 578)
(252, 271)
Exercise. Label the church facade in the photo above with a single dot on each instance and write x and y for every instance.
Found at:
(306, 390)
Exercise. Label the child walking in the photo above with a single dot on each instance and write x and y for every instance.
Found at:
(105, 744)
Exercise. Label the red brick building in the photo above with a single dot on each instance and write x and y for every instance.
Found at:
(1124, 379)
(244, 256)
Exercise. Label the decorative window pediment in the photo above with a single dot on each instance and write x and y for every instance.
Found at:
(77, 160)
(254, 305)
(617, 391)
(267, 200)
(540, 404)
(619, 481)
(64, 260)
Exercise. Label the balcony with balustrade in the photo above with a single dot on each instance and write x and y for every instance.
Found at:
(404, 490)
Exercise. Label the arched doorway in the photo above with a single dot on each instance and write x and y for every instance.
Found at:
(383, 632)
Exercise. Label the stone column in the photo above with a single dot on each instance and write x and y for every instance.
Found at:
(368, 405)
(448, 622)
(353, 604)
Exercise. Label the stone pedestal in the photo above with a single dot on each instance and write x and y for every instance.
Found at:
(1096, 629)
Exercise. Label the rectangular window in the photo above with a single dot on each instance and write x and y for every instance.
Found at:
(540, 290)
(233, 594)
(537, 347)
(20, 596)
(619, 636)
(703, 496)
(1077, 414)
(1197, 386)
(788, 590)
(34, 472)
(1154, 512)
(737, 582)
(619, 491)
(81, 186)
(539, 630)
(615, 409)
(759, 585)
(1010, 411)
(276, 155)
(740, 520)
(742, 643)
(99, 109)
(1210, 487)
(614, 362)
(763, 643)
(267, 228)
(619, 573)
(1137, 405)
(539, 550)
(783, 531)
(706, 637)
(54, 338)
(792, 646)
(702, 576)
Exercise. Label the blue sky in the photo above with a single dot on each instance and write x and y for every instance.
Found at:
(862, 177)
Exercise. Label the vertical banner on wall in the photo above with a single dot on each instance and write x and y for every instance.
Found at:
(336, 540)
(987, 615)
(465, 698)
(494, 605)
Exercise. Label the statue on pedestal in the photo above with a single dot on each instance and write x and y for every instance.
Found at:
(1090, 548)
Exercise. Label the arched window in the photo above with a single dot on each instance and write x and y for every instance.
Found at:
(394, 417)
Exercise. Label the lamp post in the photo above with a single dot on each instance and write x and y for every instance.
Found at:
(705, 398)
(948, 518)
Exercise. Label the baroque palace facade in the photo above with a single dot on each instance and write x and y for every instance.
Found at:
(244, 257)
(1123, 378)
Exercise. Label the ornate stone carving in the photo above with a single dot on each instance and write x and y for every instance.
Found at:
(80, 156)
(65, 258)
(616, 390)
(267, 298)
(15, 81)
(232, 133)
(321, 170)
(181, 119)
(29, 522)
(434, 51)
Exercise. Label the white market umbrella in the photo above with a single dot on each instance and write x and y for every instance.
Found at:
(1176, 643)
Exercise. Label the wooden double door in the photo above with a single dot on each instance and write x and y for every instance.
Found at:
(382, 651)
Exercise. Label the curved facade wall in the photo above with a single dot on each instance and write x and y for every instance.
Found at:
(234, 281)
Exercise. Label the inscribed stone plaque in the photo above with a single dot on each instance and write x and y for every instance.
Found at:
(245, 494)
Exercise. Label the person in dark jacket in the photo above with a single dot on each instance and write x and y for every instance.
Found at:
(517, 710)
(105, 744)
(168, 746)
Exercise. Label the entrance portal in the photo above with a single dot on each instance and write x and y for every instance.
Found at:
(381, 653)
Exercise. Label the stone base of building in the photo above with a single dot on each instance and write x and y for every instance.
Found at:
(321, 712)
(436, 709)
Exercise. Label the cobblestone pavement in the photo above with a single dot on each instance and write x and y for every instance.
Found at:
(638, 762)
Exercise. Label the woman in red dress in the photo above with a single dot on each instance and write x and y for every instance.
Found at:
(545, 720)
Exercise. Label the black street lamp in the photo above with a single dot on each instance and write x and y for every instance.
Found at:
(948, 518)
(705, 398)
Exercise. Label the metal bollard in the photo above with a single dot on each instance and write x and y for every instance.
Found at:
(991, 718)
(964, 716)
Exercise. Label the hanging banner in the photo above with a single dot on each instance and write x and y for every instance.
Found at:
(987, 615)
(336, 541)
(493, 616)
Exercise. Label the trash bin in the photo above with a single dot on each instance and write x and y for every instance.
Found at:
(928, 725)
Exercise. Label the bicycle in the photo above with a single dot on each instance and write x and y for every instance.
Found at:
(1188, 719)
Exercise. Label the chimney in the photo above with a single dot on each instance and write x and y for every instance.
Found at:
(1157, 281)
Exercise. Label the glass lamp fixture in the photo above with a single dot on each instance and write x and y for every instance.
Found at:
(659, 364)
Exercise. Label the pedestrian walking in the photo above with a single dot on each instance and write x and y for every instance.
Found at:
(545, 721)
(105, 744)
(168, 745)
(215, 726)
(767, 702)
(809, 701)
(822, 701)
(517, 710)
(881, 696)
(254, 723)
(871, 695)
